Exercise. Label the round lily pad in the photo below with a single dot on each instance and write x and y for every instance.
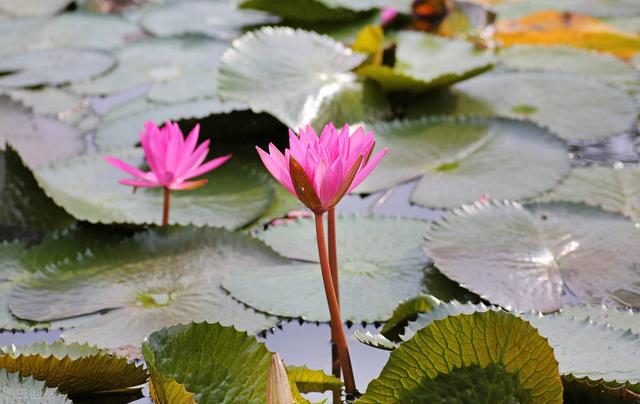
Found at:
(87, 187)
(157, 279)
(52, 67)
(535, 258)
(380, 264)
(596, 8)
(616, 189)
(174, 70)
(574, 108)
(38, 139)
(71, 30)
(286, 72)
(459, 161)
(218, 18)
(30, 8)
(17, 389)
(426, 61)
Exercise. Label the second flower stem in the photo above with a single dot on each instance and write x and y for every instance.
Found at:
(167, 206)
(337, 328)
(333, 263)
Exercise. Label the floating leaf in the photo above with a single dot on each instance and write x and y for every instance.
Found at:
(311, 380)
(88, 188)
(174, 70)
(16, 389)
(316, 11)
(152, 281)
(596, 8)
(492, 356)
(407, 311)
(375, 340)
(541, 97)
(459, 161)
(72, 368)
(527, 259)
(29, 8)
(617, 319)
(72, 30)
(38, 139)
(381, 263)
(218, 19)
(52, 67)
(285, 72)
(426, 61)
(613, 189)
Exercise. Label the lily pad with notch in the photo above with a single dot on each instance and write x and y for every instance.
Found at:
(18, 389)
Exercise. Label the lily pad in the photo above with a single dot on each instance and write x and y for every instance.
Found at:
(596, 8)
(218, 19)
(532, 259)
(615, 189)
(482, 357)
(152, 281)
(617, 319)
(286, 72)
(426, 61)
(316, 11)
(459, 160)
(405, 312)
(52, 67)
(17, 389)
(98, 31)
(38, 139)
(597, 109)
(375, 340)
(381, 263)
(87, 187)
(73, 368)
(30, 8)
(174, 70)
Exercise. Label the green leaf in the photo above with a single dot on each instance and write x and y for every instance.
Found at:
(527, 259)
(380, 264)
(88, 188)
(615, 189)
(21, 8)
(218, 19)
(71, 30)
(541, 97)
(174, 70)
(405, 312)
(426, 61)
(311, 380)
(482, 357)
(18, 389)
(281, 204)
(287, 73)
(52, 67)
(72, 368)
(320, 11)
(460, 160)
(38, 139)
(378, 341)
(158, 278)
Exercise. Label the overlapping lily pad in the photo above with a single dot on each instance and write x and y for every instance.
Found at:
(458, 161)
(530, 259)
(615, 189)
(72, 30)
(315, 11)
(492, 356)
(152, 281)
(87, 187)
(288, 73)
(219, 19)
(380, 264)
(427, 61)
(17, 389)
(573, 108)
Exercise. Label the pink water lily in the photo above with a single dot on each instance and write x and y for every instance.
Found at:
(321, 170)
(387, 15)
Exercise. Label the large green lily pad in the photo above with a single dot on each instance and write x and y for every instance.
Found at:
(381, 263)
(72, 30)
(319, 11)
(574, 108)
(87, 187)
(173, 69)
(29, 8)
(531, 259)
(16, 389)
(218, 19)
(426, 61)
(52, 67)
(615, 189)
(158, 278)
(286, 72)
(458, 161)
(482, 357)
(38, 139)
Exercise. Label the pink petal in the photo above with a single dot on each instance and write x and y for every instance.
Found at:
(366, 170)
(121, 165)
(272, 166)
(211, 165)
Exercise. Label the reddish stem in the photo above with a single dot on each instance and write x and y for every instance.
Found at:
(167, 206)
(333, 263)
(337, 329)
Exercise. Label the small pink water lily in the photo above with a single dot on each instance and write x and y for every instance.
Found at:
(387, 15)
(321, 170)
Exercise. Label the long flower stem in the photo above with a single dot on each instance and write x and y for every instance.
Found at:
(333, 263)
(167, 206)
(337, 328)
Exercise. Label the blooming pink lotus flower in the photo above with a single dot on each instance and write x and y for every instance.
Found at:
(321, 170)
(173, 160)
